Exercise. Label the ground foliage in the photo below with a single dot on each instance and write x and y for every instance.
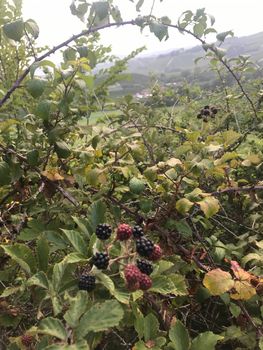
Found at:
(190, 175)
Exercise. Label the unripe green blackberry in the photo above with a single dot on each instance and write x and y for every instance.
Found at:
(100, 260)
(144, 247)
(87, 282)
(103, 231)
(145, 266)
(137, 231)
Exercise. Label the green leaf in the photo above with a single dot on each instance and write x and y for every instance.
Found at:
(209, 206)
(179, 336)
(97, 213)
(221, 36)
(139, 5)
(205, 341)
(14, 30)
(100, 317)
(35, 87)
(62, 149)
(33, 157)
(42, 251)
(60, 268)
(106, 281)
(151, 327)
(159, 30)
(22, 255)
(53, 327)
(76, 240)
(82, 345)
(101, 9)
(32, 28)
(183, 228)
(77, 308)
(184, 205)
(136, 185)
(5, 176)
(39, 279)
(43, 110)
(162, 284)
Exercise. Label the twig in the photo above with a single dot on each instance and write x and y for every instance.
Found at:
(53, 50)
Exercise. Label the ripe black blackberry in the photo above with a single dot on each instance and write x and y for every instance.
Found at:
(206, 112)
(144, 266)
(144, 247)
(137, 231)
(103, 231)
(100, 260)
(87, 282)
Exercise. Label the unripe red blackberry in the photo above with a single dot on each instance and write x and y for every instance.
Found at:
(144, 247)
(100, 260)
(124, 232)
(103, 231)
(145, 282)
(132, 274)
(156, 253)
(133, 286)
(87, 282)
(145, 266)
(26, 340)
(137, 231)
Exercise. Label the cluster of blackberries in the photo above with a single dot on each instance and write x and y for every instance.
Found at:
(137, 277)
(147, 249)
(207, 112)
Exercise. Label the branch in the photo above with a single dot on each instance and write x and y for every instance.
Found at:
(237, 189)
(223, 62)
(18, 82)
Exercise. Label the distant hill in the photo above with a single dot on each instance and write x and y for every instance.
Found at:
(183, 59)
(177, 65)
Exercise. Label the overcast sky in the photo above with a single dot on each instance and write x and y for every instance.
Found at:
(57, 24)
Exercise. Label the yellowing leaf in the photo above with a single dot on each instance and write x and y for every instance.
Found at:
(243, 290)
(52, 175)
(240, 273)
(218, 281)
(173, 162)
(184, 205)
(209, 205)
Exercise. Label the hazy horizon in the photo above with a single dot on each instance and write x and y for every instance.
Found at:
(57, 24)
